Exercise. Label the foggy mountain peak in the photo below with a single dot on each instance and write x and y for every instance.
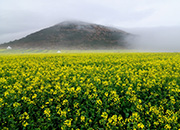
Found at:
(79, 25)
(74, 35)
(86, 26)
(72, 22)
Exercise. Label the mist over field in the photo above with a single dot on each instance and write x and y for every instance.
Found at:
(156, 38)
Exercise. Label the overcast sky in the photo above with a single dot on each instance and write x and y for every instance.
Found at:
(21, 17)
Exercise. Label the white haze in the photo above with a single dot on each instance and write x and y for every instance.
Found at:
(155, 39)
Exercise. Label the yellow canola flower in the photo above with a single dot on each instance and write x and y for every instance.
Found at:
(104, 115)
(82, 118)
(76, 105)
(24, 123)
(168, 127)
(65, 102)
(63, 113)
(6, 93)
(145, 85)
(68, 122)
(16, 104)
(34, 96)
(78, 89)
(140, 125)
(47, 112)
(99, 102)
(106, 94)
(1, 99)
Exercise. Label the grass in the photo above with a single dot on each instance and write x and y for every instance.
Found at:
(35, 51)
(22, 51)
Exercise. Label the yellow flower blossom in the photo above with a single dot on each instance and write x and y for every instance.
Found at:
(104, 115)
(140, 125)
(24, 124)
(82, 118)
(47, 112)
(68, 122)
(90, 91)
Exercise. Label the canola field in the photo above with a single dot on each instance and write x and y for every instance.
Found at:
(93, 91)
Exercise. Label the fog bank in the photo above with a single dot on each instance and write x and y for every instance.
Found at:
(156, 38)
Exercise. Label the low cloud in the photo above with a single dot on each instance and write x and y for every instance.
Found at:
(156, 38)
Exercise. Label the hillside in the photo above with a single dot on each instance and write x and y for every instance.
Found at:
(73, 35)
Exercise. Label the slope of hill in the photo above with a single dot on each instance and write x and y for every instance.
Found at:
(73, 35)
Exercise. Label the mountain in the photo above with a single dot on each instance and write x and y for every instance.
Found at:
(73, 35)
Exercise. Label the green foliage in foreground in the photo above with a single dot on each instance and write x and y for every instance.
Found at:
(90, 91)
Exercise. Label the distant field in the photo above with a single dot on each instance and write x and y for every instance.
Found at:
(89, 91)
(22, 51)
(35, 51)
